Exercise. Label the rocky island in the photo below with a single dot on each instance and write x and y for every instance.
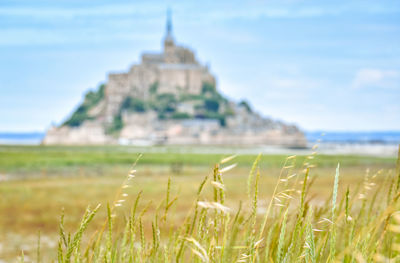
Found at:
(169, 98)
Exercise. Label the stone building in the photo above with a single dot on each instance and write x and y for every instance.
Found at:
(207, 118)
(175, 70)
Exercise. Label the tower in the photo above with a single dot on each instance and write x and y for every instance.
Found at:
(168, 37)
(169, 45)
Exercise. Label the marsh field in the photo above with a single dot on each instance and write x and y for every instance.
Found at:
(178, 205)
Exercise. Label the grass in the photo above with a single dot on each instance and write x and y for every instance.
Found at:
(274, 209)
(47, 159)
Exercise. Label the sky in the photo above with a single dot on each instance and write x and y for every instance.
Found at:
(323, 65)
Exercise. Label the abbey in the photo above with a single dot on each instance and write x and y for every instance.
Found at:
(168, 98)
(173, 71)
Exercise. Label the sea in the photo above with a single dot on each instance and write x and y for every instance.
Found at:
(21, 138)
(364, 137)
(373, 143)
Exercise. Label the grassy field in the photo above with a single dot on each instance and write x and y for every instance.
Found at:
(40, 182)
(48, 159)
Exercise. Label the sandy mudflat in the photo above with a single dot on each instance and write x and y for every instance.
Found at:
(384, 150)
(363, 149)
(378, 150)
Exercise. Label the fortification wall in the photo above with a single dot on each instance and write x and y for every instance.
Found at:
(87, 134)
(116, 89)
(140, 78)
(171, 79)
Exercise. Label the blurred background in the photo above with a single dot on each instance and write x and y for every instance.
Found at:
(331, 68)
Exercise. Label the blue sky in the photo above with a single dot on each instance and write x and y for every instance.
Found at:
(324, 65)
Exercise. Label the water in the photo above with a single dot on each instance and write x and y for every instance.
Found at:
(382, 143)
(28, 138)
(369, 137)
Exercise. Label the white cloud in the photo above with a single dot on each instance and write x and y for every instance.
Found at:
(376, 78)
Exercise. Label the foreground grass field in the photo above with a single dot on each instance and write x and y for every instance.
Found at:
(50, 160)
(275, 215)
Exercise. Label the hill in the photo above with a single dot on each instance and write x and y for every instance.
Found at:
(169, 98)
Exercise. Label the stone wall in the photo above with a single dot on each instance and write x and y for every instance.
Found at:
(87, 134)
(176, 71)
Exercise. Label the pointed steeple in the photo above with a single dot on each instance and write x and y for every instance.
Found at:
(169, 39)
(169, 22)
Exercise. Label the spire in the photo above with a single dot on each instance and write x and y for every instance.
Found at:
(169, 23)
(169, 40)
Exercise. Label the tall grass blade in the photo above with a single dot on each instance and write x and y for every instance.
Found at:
(332, 245)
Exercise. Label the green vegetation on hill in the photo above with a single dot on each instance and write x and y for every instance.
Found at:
(164, 103)
(210, 104)
(153, 88)
(207, 105)
(180, 116)
(134, 105)
(246, 105)
(92, 98)
(208, 88)
(116, 125)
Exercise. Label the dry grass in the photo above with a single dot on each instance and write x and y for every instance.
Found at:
(178, 233)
